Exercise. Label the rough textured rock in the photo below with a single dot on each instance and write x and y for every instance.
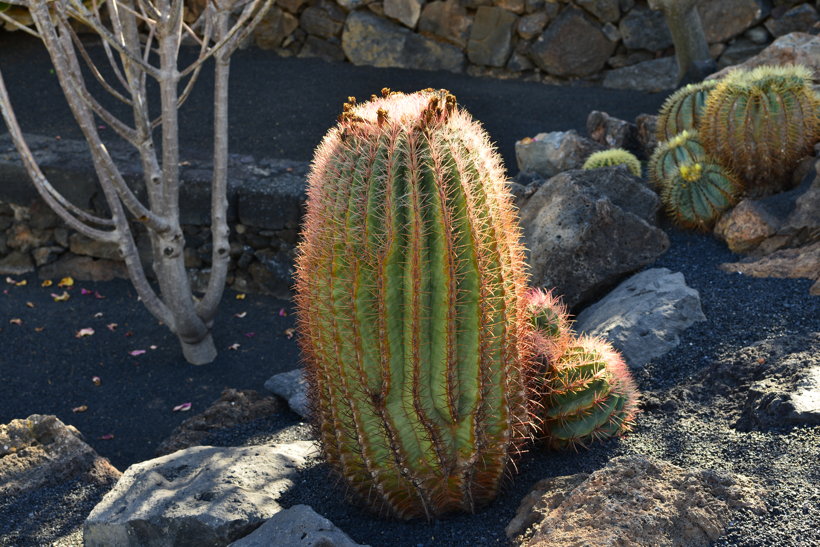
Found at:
(16, 263)
(42, 450)
(490, 37)
(572, 45)
(324, 49)
(531, 25)
(728, 18)
(786, 390)
(585, 230)
(292, 387)
(276, 199)
(647, 133)
(81, 245)
(653, 76)
(613, 132)
(738, 51)
(794, 48)
(83, 268)
(746, 226)
(233, 407)
(216, 495)
(643, 28)
(790, 263)
(370, 40)
(273, 271)
(644, 316)
(634, 500)
(405, 11)
(274, 28)
(606, 11)
(324, 22)
(299, 526)
(548, 154)
(798, 19)
(448, 20)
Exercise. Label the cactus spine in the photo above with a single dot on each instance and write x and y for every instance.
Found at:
(696, 194)
(683, 109)
(588, 396)
(409, 286)
(612, 157)
(760, 123)
(584, 390)
(683, 148)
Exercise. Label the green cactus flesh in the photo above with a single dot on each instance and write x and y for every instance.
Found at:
(697, 193)
(683, 148)
(588, 396)
(683, 109)
(409, 288)
(612, 157)
(759, 123)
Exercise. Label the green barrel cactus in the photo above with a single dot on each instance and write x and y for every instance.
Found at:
(589, 395)
(551, 327)
(683, 148)
(697, 193)
(614, 156)
(410, 287)
(760, 123)
(683, 109)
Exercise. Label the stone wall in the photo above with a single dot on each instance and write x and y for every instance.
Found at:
(266, 201)
(619, 43)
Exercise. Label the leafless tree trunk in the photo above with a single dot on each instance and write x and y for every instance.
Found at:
(691, 48)
(134, 33)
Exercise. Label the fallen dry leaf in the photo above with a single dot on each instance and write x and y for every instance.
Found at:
(184, 407)
(47, 283)
(84, 332)
(289, 333)
(61, 297)
(111, 326)
(81, 408)
(39, 329)
(96, 380)
(66, 282)
(30, 304)
(240, 296)
(136, 352)
(107, 437)
(282, 312)
(240, 315)
(234, 347)
(16, 321)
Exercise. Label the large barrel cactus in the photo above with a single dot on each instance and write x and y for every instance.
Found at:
(759, 123)
(683, 109)
(410, 293)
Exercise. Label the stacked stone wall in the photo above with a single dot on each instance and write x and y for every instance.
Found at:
(619, 43)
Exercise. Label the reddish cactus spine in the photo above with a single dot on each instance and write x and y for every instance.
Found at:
(410, 285)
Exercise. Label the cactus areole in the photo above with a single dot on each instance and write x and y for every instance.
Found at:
(409, 288)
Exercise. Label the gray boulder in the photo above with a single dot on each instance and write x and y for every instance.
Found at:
(202, 495)
(643, 28)
(548, 154)
(728, 18)
(643, 316)
(41, 450)
(572, 45)
(634, 500)
(292, 387)
(299, 526)
(586, 230)
(490, 39)
(613, 132)
(367, 39)
(653, 76)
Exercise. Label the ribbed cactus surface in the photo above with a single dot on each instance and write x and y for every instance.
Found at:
(409, 286)
(612, 157)
(696, 194)
(683, 109)
(588, 396)
(683, 149)
(759, 123)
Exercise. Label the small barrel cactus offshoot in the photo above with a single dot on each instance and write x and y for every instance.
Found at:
(682, 110)
(588, 396)
(614, 156)
(697, 193)
(683, 149)
(760, 123)
(551, 325)
(410, 291)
